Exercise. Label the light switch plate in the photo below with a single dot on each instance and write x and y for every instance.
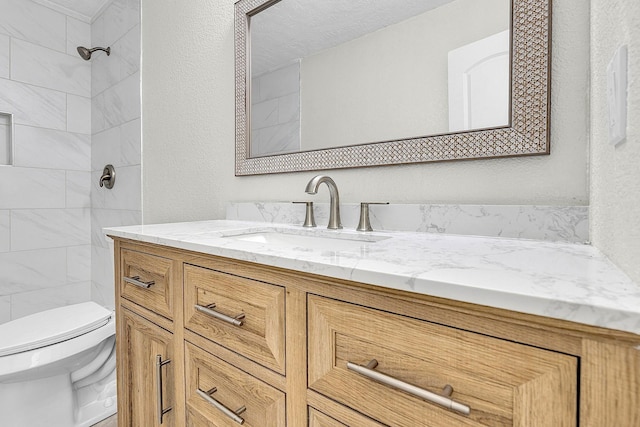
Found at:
(617, 96)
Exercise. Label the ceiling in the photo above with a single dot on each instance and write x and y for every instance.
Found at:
(84, 10)
(293, 29)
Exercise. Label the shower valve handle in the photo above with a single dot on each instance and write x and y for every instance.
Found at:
(108, 178)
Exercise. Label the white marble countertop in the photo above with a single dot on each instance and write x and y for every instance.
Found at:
(559, 280)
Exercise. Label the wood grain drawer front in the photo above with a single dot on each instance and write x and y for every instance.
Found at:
(146, 280)
(260, 337)
(319, 419)
(234, 389)
(503, 383)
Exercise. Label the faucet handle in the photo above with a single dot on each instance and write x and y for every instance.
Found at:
(309, 220)
(365, 224)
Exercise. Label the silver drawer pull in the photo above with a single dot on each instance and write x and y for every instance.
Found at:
(368, 371)
(236, 321)
(135, 280)
(159, 364)
(234, 415)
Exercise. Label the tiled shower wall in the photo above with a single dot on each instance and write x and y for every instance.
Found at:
(72, 117)
(45, 222)
(116, 135)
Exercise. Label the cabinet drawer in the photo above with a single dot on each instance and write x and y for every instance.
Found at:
(319, 419)
(234, 389)
(259, 335)
(146, 280)
(501, 382)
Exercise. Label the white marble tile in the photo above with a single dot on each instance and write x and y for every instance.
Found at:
(102, 274)
(78, 114)
(98, 123)
(553, 223)
(5, 143)
(105, 71)
(45, 299)
(101, 218)
(5, 231)
(49, 228)
(5, 309)
(98, 31)
(119, 18)
(125, 194)
(26, 188)
(123, 62)
(102, 266)
(51, 149)
(105, 148)
(48, 68)
(25, 271)
(128, 52)
(34, 106)
(103, 295)
(27, 20)
(119, 146)
(78, 263)
(4, 56)
(117, 105)
(78, 189)
(78, 34)
(131, 143)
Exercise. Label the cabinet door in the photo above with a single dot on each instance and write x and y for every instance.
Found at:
(145, 374)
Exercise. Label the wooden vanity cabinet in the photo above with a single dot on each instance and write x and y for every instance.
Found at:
(283, 348)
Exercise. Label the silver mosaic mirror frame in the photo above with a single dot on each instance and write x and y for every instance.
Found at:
(528, 133)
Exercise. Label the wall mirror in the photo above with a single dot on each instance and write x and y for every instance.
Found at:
(338, 84)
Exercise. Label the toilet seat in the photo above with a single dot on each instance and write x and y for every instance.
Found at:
(51, 327)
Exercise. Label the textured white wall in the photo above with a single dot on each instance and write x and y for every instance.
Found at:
(615, 175)
(188, 128)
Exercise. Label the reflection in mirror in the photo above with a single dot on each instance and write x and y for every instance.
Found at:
(334, 73)
(324, 85)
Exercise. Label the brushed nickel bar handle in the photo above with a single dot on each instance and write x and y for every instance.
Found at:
(135, 280)
(159, 364)
(235, 321)
(234, 415)
(368, 372)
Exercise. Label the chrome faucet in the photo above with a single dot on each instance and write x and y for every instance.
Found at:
(334, 209)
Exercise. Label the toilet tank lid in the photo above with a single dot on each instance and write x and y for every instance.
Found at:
(51, 327)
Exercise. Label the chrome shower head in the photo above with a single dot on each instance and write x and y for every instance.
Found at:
(86, 53)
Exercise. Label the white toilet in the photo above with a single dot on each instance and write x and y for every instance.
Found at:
(57, 367)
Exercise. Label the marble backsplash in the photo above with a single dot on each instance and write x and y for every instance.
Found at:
(551, 223)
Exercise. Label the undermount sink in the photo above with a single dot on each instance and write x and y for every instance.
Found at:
(310, 241)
